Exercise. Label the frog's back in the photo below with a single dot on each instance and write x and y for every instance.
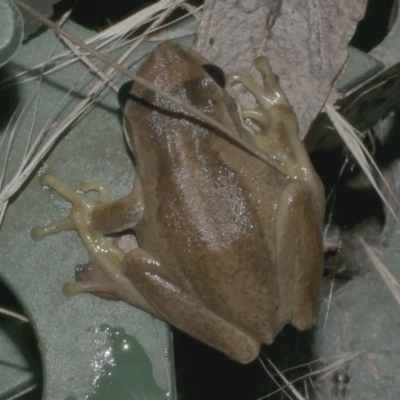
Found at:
(209, 218)
(209, 207)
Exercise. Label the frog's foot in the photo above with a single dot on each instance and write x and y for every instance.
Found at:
(82, 204)
(103, 275)
(104, 279)
(99, 248)
(80, 219)
(90, 278)
(277, 122)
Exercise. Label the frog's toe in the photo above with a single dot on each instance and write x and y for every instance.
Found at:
(39, 232)
(104, 193)
(66, 191)
(91, 273)
(91, 278)
(48, 179)
(103, 290)
(270, 79)
(257, 114)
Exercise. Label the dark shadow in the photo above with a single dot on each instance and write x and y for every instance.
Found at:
(389, 151)
(375, 26)
(24, 337)
(8, 98)
(100, 14)
(346, 205)
(78, 94)
(203, 373)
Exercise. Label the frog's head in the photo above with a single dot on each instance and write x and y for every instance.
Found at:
(183, 74)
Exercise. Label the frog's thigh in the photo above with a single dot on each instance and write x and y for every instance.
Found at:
(121, 214)
(183, 310)
(299, 255)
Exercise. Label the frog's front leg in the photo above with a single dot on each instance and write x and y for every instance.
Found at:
(184, 310)
(121, 214)
(91, 220)
(299, 255)
(278, 127)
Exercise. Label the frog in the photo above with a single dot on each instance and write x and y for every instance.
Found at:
(230, 246)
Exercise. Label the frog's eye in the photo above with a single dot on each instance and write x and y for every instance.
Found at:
(216, 73)
(123, 93)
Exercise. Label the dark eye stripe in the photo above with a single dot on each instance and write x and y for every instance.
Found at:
(216, 73)
(123, 93)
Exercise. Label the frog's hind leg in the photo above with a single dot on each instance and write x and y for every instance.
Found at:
(185, 310)
(299, 255)
(102, 275)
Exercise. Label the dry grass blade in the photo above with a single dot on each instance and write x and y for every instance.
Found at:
(110, 34)
(105, 77)
(343, 359)
(359, 151)
(12, 129)
(31, 158)
(383, 271)
(90, 65)
(283, 389)
(13, 122)
(288, 384)
(13, 314)
(241, 142)
(138, 19)
(338, 362)
(34, 155)
(22, 393)
(28, 164)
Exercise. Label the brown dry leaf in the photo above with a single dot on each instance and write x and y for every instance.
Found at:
(305, 41)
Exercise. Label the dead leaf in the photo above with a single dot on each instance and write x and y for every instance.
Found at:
(232, 33)
(305, 41)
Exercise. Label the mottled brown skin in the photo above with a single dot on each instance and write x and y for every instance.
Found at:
(230, 249)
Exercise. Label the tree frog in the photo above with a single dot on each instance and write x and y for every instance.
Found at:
(230, 247)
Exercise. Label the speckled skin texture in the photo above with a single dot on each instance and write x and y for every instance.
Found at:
(230, 249)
